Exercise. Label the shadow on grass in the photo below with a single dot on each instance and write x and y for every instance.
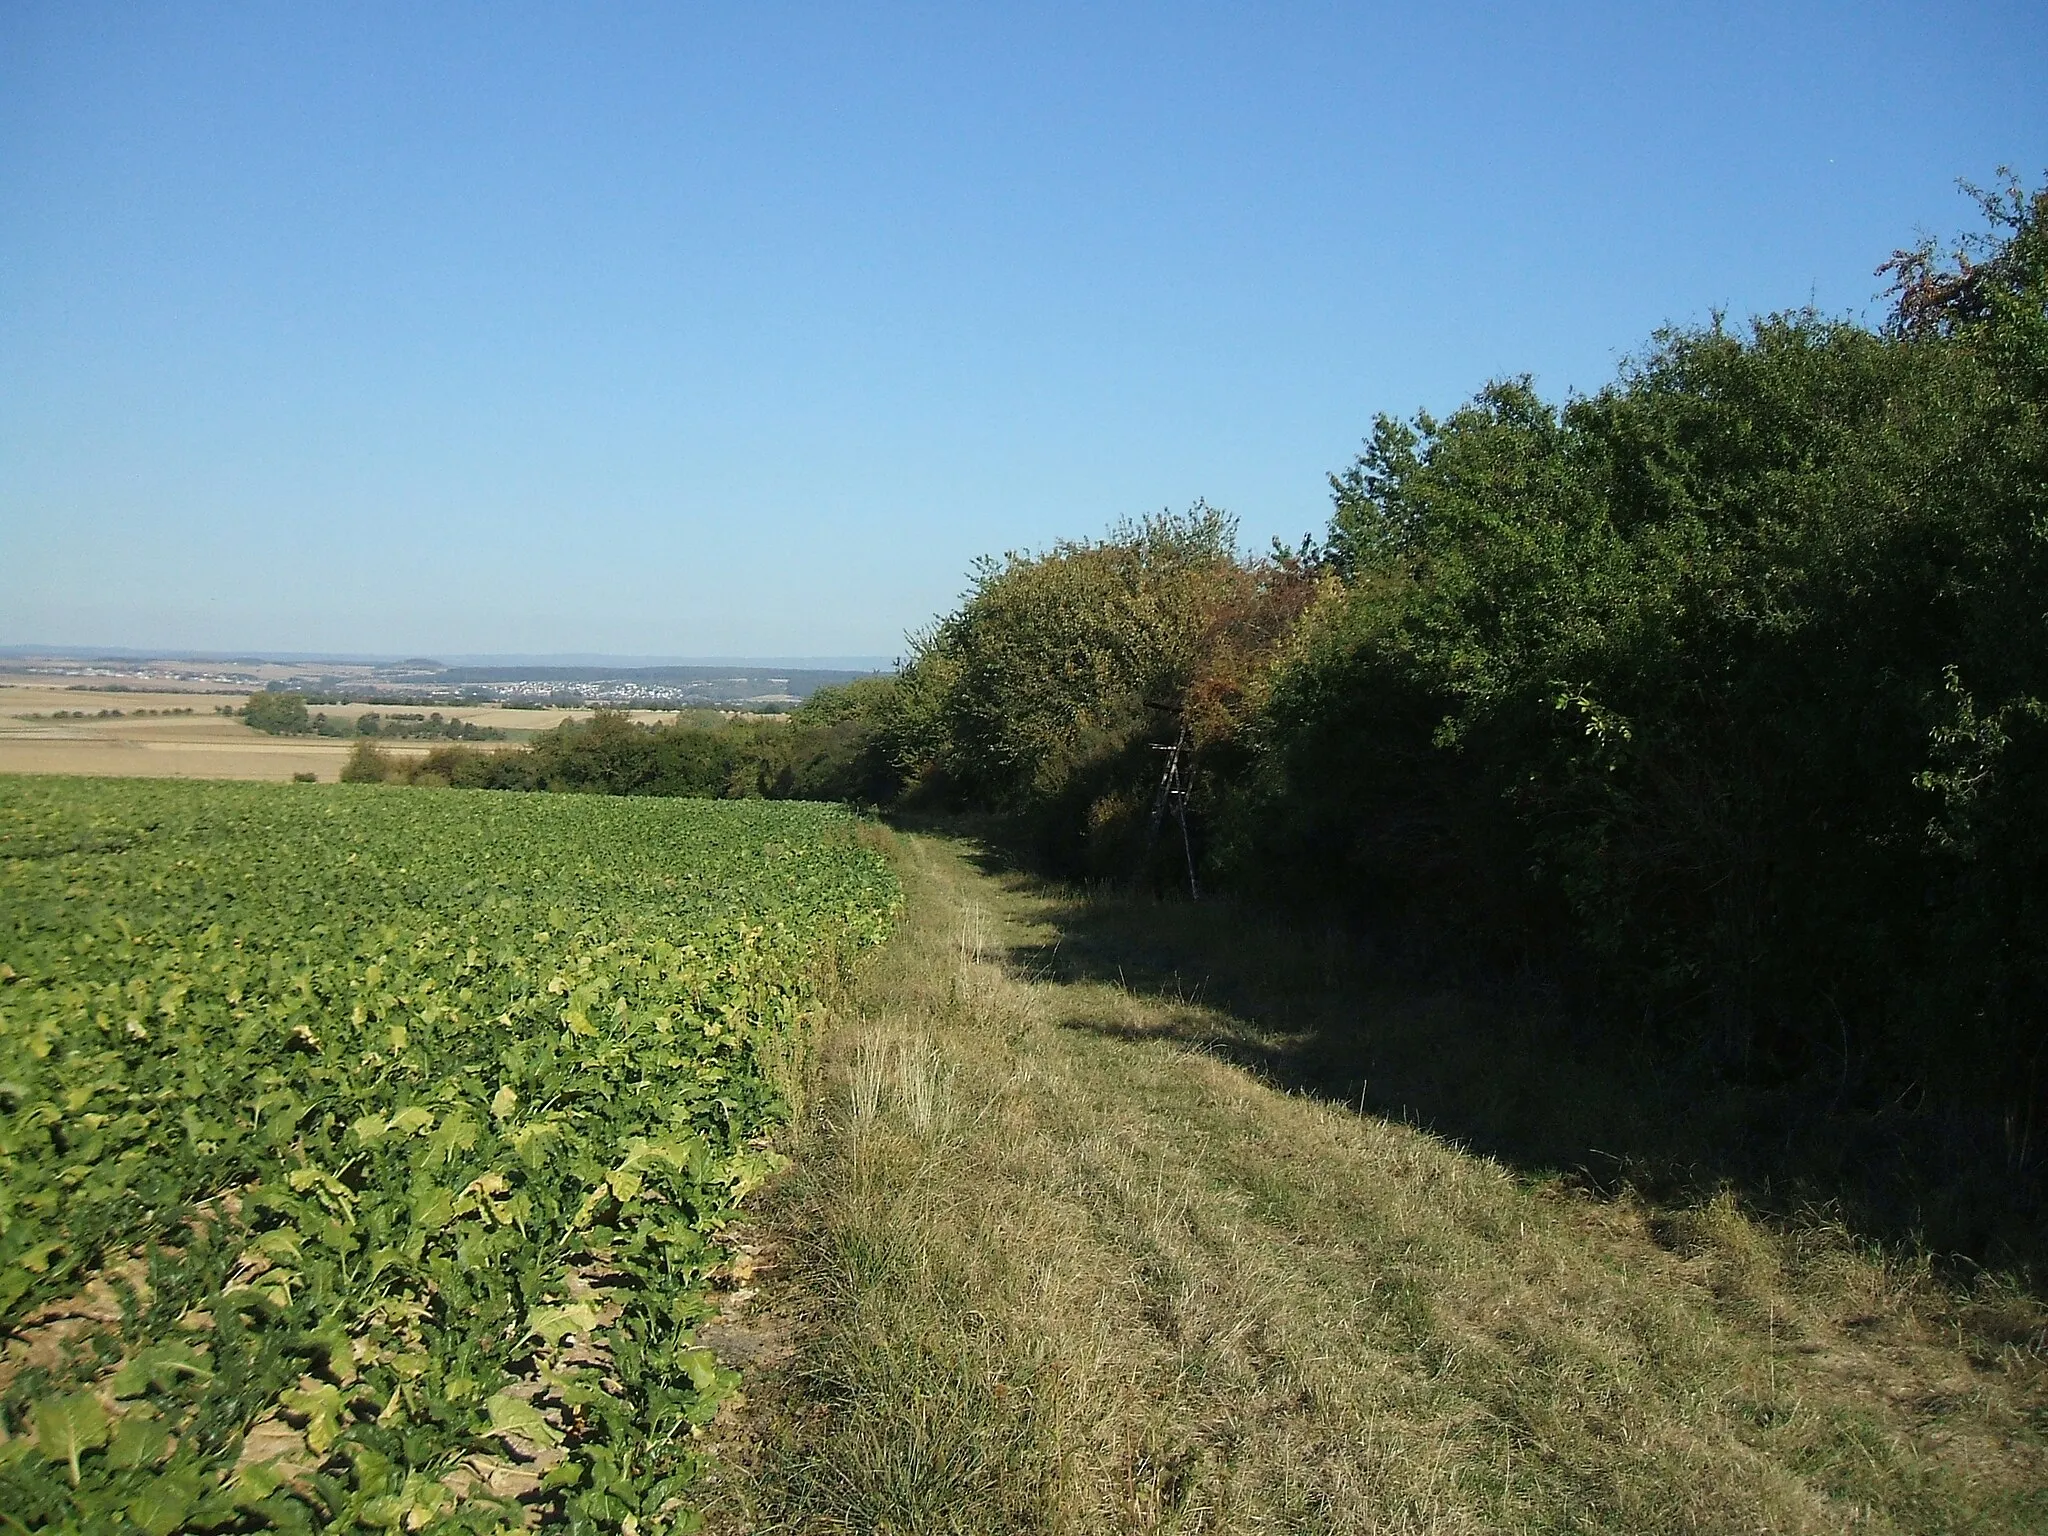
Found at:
(1501, 1066)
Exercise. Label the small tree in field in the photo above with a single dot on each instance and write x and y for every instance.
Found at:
(281, 714)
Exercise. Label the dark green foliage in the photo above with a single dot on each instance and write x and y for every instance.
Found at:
(1051, 661)
(423, 727)
(841, 744)
(281, 714)
(367, 765)
(610, 754)
(1727, 680)
(1045, 696)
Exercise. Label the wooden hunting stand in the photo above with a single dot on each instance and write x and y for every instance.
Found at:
(1176, 782)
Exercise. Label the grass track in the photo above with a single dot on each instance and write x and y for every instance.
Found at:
(1049, 1268)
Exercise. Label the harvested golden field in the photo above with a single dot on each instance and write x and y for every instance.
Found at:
(116, 755)
(149, 740)
(201, 745)
(26, 693)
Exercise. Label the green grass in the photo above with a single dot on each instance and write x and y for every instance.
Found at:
(365, 1154)
(1054, 1259)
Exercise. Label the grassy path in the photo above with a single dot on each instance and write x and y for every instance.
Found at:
(1048, 1267)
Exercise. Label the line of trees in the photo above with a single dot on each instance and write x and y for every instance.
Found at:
(1721, 693)
(280, 713)
(825, 750)
(103, 714)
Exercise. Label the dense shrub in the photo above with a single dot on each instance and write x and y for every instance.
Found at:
(370, 764)
(834, 747)
(281, 714)
(1726, 681)
(415, 726)
(1044, 695)
(839, 744)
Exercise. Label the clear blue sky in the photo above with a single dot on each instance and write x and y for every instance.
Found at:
(743, 329)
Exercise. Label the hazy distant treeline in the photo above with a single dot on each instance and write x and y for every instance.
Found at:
(823, 750)
(286, 714)
(1718, 693)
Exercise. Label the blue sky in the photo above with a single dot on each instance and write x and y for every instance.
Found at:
(687, 330)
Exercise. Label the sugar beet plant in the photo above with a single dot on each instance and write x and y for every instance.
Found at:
(363, 1153)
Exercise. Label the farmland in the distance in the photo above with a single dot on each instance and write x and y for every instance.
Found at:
(56, 729)
(363, 1153)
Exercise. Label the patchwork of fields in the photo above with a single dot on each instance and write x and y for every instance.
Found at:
(363, 1152)
(147, 739)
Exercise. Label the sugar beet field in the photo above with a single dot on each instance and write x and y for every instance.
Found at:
(364, 1153)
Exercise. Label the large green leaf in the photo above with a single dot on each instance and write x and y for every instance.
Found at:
(553, 1323)
(161, 1507)
(140, 1439)
(159, 1366)
(520, 1422)
(319, 1403)
(67, 1427)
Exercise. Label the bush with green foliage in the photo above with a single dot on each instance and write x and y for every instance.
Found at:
(839, 744)
(1045, 694)
(281, 714)
(612, 754)
(418, 726)
(1726, 680)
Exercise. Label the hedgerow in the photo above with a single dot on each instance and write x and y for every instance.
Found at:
(1716, 698)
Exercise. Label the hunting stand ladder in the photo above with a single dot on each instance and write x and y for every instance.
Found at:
(1176, 782)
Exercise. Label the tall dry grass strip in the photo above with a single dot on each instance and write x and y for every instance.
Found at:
(1057, 1265)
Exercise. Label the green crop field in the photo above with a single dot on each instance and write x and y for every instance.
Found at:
(363, 1152)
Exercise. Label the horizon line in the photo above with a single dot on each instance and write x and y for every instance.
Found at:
(870, 662)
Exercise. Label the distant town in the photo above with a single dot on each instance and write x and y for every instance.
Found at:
(738, 685)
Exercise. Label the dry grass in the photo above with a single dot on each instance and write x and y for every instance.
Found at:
(201, 745)
(27, 694)
(204, 744)
(1052, 1269)
(125, 757)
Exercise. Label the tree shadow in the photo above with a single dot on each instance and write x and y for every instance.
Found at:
(1503, 1066)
